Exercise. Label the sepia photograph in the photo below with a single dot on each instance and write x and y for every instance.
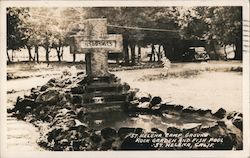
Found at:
(125, 78)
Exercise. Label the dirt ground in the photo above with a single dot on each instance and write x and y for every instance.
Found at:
(212, 87)
(209, 90)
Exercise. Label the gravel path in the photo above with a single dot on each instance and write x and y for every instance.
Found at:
(21, 136)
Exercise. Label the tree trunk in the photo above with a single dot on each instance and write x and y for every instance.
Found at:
(225, 52)
(126, 52)
(47, 55)
(58, 51)
(159, 54)
(132, 48)
(215, 52)
(62, 50)
(8, 56)
(47, 48)
(29, 51)
(12, 55)
(139, 54)
(238, 50)
(74, 58)
(165, 50)
(37, 54)
(152, 52)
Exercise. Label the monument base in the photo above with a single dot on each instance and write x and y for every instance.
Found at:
(104, 91)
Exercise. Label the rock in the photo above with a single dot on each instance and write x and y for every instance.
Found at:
(44, 88)
(116, 145)
(68, 81)
(78, 90)
(144, 105)
(234, 114)
(64, 142)
(238, 123)
(189, 109)
(124, 131)
(107, 144)
(143, 97)
(80, 73)
(139, 130)
(125, 86)
(221, 113)
(34, 90)
(204, 112)
(156, 130)
(156, 100)
(76, 145)
(173, 130)
(54, 134)
(51, 84)
(178, 107)
(50, 97)
(236, 119)
(34, 95)
(52, 80)
(23, 103)
(95, 138)
(83, 81)
(108, 133)
(167, 107)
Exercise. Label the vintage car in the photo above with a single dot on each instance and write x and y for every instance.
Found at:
(196, 54)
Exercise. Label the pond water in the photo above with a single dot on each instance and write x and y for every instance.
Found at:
(118, 119)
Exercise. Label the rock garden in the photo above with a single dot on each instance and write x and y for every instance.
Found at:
(70, 120)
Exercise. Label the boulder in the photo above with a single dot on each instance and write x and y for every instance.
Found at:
(238, 123)
(233, 115)
(108, 133)
(107, 144)
(95, 138)
(144, 105)
(173, 130)
(189, 109)
(143, 96)
(178, 107)
(34, 95)
(80, 73)
(22, 103)
(52, 80)
(44, 88)
(125, 86)
(139, 130)
(236, 118)
(221, 113)
(155, 101)
(50, 97)
(204, 112)
(78, 90)
(124, 131)
(68, 81)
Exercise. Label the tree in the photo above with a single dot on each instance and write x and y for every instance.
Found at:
(15, 36)
(226, 26)
(44, 29)
(217, 25)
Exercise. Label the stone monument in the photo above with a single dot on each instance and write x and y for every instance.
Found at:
(95, 43)
(101, 89)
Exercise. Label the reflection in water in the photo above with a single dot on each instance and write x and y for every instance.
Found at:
(118, 119)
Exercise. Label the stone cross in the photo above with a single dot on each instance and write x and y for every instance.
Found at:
(93, 41)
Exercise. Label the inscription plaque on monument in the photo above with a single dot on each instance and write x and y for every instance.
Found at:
(95, 43)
